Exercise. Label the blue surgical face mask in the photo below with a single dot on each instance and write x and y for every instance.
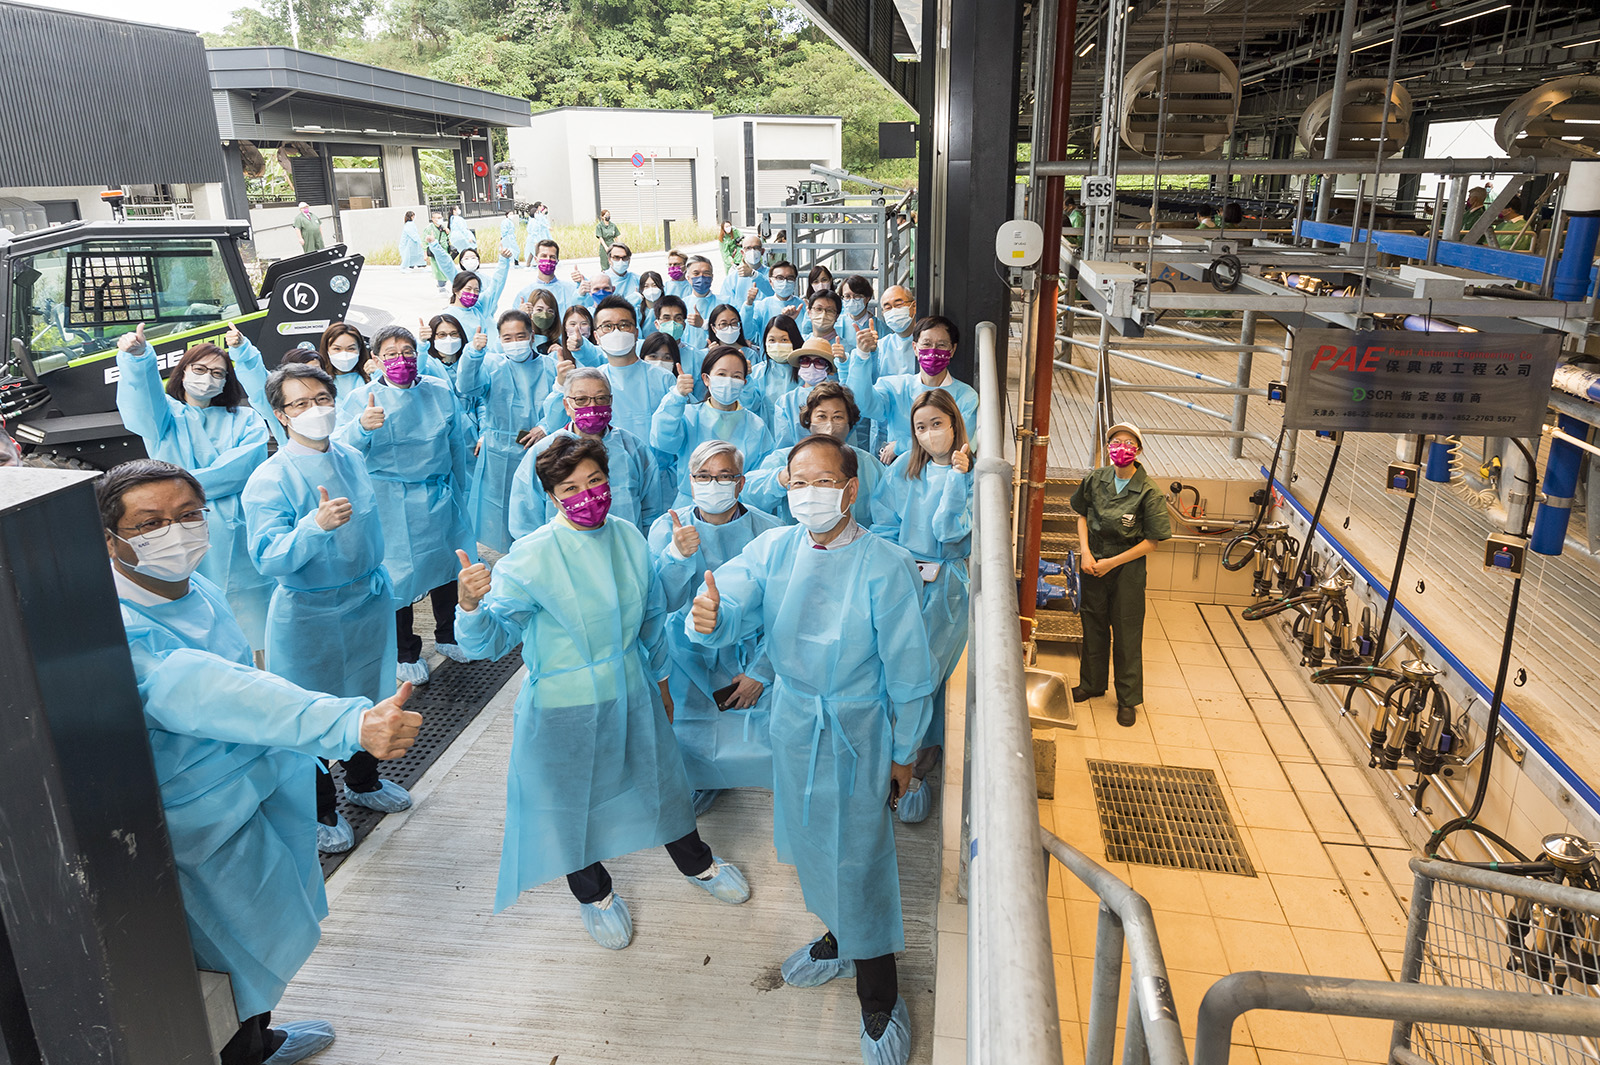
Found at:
(855, 306)
(596, 297)
(517, 350)
(701, 284)
(783, 286)
(898, 319)
(725, 389)
(673, 329)
(618, 269)
(714, 498)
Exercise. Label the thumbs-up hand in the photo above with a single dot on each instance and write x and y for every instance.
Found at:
(233, 338)
(686, 538)
(472, 587)
(577, 276)
(695, 321)
(685, 385)
(332, 513)
(526, 307)
(867, 340)
(704, 611)
(564, 366)
(132, 343)
(388, 729)
(750, 296)
(886, 454)
(480, 339)
(372, 416)
(839, 354)
(424, 330)
(961, 458)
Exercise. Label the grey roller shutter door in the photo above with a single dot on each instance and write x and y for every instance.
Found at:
(673, 198)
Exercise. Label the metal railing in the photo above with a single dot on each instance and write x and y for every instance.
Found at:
(874, 240)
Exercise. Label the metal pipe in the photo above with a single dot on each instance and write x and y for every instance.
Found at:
(1105, 992)
(1341, 76)
(1342, 997)
(1044, 54)
(1313, 167)
(1241, 379)
(1008, 920)
(1179, 370)
(1054, 193)
(1435, 225)
(1196, 390)
(1111, 385)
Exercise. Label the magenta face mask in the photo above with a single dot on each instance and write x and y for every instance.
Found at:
(546, 266)
(588, 508)
(467, 298)
(933, 361)
(592, 420)
(1121, 453)
(675, 272)
(400, 369)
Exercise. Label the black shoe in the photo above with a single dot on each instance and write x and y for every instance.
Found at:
(1127, 715)
(875, 1024)
(1080, 695)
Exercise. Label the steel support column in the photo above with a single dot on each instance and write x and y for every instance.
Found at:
(968, 183)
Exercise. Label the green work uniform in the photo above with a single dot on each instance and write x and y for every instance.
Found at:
(606, 233)
(1112, 606)
(310, 231)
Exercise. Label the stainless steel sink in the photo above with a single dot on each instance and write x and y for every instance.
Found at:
(1050, 700)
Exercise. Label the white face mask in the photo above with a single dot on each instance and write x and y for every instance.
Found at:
(470, 263)
(173, 555)
(752, 256)
(728, 334)
(817, 508)
(714, 498)
(517, 350)
(725, 389)
(652, 293)
(315, 423)
(447, 345)
(618, 342)
(813, 375)
(344, 361)
(898, 319)
(201, 387)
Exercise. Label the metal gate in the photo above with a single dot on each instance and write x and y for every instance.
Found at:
(673, 198)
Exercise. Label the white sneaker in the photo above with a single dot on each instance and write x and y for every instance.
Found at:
(415, 672)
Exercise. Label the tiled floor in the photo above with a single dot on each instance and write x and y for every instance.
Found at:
(1330, 891)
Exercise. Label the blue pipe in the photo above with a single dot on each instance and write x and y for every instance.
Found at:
(1577, 258)
(1560, 482)
(1438, 470)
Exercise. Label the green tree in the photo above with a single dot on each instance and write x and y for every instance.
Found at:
(323, 24)
(487, 62)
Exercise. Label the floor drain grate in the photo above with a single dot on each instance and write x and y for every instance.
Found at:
(449, 701)
(1166, 815)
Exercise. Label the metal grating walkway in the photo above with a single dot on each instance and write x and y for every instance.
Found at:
(1168, 816)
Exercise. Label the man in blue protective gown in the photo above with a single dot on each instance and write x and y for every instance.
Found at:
(233, 749)
(720, 713)
(314, 526)
(840, 609)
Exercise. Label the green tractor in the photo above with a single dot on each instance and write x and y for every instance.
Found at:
(70, 291)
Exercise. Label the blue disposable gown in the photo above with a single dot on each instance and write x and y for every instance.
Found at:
(888, 401)
(769, 382)
(761, 487)
(508, 236)
(636, 392)
(595, 769)
(699, 336)
(757, 317)
(418, 460)
(232, 749)
(513, 395)
(330, 627)
(734, 287)
(852, 695)
(848, 327)
(721, 748)
(896, 354)
(637, 494)
(931, 517)
(253, 376)
(538, 229)
(461, 235)
(411, 253)
(563, 289)
(680, 426)
(485, 312)
(222, 448)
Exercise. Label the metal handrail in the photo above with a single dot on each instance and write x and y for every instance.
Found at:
(1153, 1032)
(1011, 1001)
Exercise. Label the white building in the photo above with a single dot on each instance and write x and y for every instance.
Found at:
(646, 165)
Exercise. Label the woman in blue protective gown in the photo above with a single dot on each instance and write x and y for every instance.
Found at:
(462, 238)
(412, 254)
(232, 748)
(199, 419)
(473, 300)
(595, 769)
(829, 410)
(724, 742)
(924, 504)
(680, 426)
(511, 384)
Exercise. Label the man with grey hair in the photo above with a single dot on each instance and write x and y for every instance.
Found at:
(638, 491)
(721, 715)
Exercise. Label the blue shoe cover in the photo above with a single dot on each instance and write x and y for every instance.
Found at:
(305, 1039)
(335, 838)
(800, 969)
(894, 1046)
(703, 800)
(915, 805)
(611, 927)
(728, 885)
(391, 798)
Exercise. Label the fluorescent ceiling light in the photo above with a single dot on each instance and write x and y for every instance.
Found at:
(1480, 14)
(1086, 49)
(1580, 44)
(1375, 44)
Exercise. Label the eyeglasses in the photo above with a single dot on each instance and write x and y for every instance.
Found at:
(299, 406)
(721, 478)
(155, 527)
(215, 375)
(400, 353)
(826, 482)
(590, 401)
(616, 258)
(611, 327)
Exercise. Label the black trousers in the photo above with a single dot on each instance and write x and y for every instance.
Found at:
(877, 984)
(253, 1043)
(1112, 608)
(409, 643)
(690, 854)
(360, 774)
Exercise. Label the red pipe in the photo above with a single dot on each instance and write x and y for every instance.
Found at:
(1054, 193)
